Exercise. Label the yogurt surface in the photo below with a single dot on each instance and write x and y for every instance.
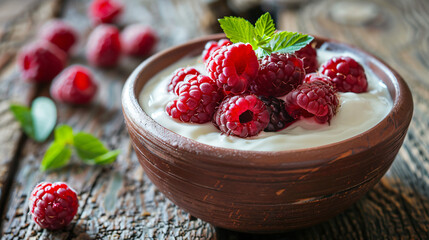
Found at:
(356, 114)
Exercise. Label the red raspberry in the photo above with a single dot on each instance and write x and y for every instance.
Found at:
(59, 33)
(74, 85)
(242, 115)
(278, 74)
(104, 47)
(53, 205)
(105, 11)
(309, 56)
(138, 40)
(311, 77)
(41, 61)
(197, 101)
(232, 67)
(347, 74)
(179, 76)
(212, 46)
(279, 118)
(316, 99)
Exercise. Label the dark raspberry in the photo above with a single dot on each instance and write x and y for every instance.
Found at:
(311, 77)
(316, 99)
(104, 47)
(232, 67)
(74, 85)
(242, 115)
(346, 74)
(279, 118)
(278, 74)
(309, 56)
(179, 76)
(53, 205)
(105, 11)
(41, 61)
(198, 98)
(212, 46)
(59, 33)
(138, 40)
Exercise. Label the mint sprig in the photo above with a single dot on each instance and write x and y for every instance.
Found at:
(39, 120)
(87, 147)
(263, 37)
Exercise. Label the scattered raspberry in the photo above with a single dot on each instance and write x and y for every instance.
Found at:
(311, 77)
(309, 56)
(347, 74)
(212, 46)
(138, 40)
(104, 47)
(74, 85)
(279, 118)
(59, 33)
(198, 98)
(316, 99)
(105, 11)
(41, 61)
(278, 74)
(242, 115)
(53, 205)
(232, 67)
(179, 76)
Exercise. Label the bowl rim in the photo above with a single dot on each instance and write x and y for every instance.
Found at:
(134, 113)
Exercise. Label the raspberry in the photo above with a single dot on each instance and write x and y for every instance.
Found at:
(198, 98)
(232, 67)
(311, 77)
(347, 74)
(41, 61)
(138, 40)
(316, 99)
(309, 56)
(105, 11)
(74, 85)
(104, 47)
(279, 118)
(59, 33)
(278, 74)
(212, 46)
(53, 205)
(242, 115)
(179, 76)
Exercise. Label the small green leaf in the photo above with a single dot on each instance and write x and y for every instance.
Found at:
(44, 115)
(107, 158)
(57, 155)
(238, 29)
(64, 134)
(88, 147)
(289, 42)
(264, 27)
(23, 116)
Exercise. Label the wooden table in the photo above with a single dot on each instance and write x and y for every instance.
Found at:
(119, 202)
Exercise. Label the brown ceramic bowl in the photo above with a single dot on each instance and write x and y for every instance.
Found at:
(253, 191)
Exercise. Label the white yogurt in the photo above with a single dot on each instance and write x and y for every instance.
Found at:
(356, 114)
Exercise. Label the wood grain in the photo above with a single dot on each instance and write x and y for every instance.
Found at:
(119, 202)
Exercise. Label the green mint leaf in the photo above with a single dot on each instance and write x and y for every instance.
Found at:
(238, 30)
(264, 27)
(289, 42)
(44, 115)
(23, 115)
(88, 147)
(57, 155)
(107, 158)
(64, 134)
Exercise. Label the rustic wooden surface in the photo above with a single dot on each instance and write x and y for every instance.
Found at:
(119, 202)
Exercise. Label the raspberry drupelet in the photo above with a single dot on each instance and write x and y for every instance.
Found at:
(232, 67)
(279, 117)
(212, 46)
(179, 76)
(346, 74)
(241, 115)
(309, 56)
(278, 74)
(53, 205)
